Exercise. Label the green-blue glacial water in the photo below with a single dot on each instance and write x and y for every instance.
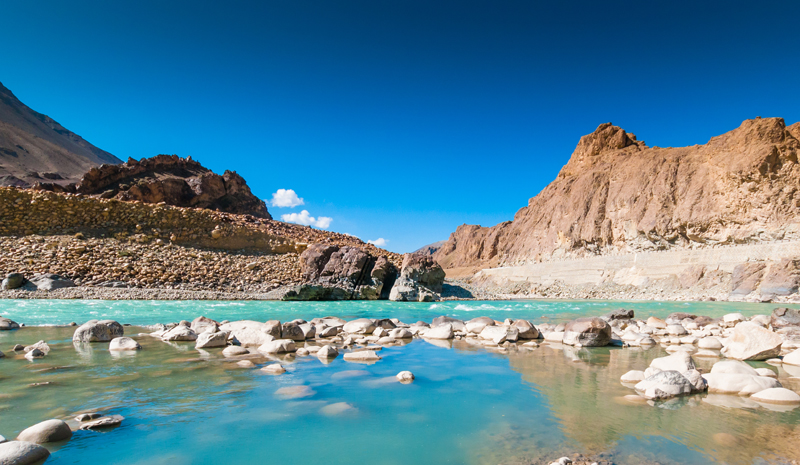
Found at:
(469, 404)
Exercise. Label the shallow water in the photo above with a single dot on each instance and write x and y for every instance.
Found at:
(468, 405)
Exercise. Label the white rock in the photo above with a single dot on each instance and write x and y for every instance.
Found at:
(792, 358)
(327, 352)
(34, 354)
(362, 356)
(733, 367)
(278, 346)
(664, 385)
(766, 372)
(233, 351)
(405, 377)
(444, 331)
(179, 333)
(359, 326)
(709, 342)
(752, 342)
(554, 336)
(741, 384)
(676, 330)
(46, 431)
(123, 343)
(777, 396)
(633, 376)
(731, 319)
(208, 339)
(274, 369)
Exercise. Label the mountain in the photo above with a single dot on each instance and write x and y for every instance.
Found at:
(616, 195)
(35, 148)
(430, 249)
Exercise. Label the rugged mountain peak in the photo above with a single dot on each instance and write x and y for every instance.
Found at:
(607, 138)
(751, 131)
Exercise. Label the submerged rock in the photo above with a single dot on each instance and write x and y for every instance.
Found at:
(405, 377)
(777, 396)
(274, 369)
(103, 422)
(362, 356)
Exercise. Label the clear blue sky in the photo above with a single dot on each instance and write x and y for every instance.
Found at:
(399, 120)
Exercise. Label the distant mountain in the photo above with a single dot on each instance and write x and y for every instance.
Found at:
(430, 249)
(617, 195)
(35, 148)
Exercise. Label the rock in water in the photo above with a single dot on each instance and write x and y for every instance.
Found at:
(792, 358)
(179, 333)
(405, 377)
(777, 396)
(440, 332)
(664, 385)
(359, 326)
(202, 324)
(103, 422)
(783, 317)
(22, 453)
(362, 356)
(98, 331)
(123, 343)
(208, 339)
(7, 325)
(46, 431)
(327, 352)
(278, 346)
(750, 341)
(587, 332)
(274, 369)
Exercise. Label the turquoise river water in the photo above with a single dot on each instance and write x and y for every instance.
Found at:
(468, 405)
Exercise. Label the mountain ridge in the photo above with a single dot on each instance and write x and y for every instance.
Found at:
(36, 148)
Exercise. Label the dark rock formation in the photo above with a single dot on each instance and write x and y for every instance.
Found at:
(34, 148)
(177, 181)
(421, 279)
(342, 273)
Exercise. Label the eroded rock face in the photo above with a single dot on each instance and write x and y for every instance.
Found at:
(750, 341)
(342, 273)
(616, 194)
(420, 279)
(783, 317)
(170, 179)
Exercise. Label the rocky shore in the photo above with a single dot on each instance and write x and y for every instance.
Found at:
(272, 346)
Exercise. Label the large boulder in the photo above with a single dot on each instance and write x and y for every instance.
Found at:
(421, 279)
(444, 331)
(526, 330)
(777, 396)
(783, 317)
(792, 358)
(664, 385)
(476, 325)
(179, 333)
(7, 325)
(207, 340)
(202, 324)
(46, 431)
(12, 281)
(498, 334)
(738, 383)
(278, 346)
(248, 333)
(359, 326)
(457, 324)
(750, 341)
(587, 332)
(22, 453)
(50, 282)
(98, 331)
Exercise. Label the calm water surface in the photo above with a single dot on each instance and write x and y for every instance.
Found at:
(468, 404)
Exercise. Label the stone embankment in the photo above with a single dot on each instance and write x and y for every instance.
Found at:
(108, 242)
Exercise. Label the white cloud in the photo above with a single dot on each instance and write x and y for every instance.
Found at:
(305, 218)
(286, 198)
(379, 242)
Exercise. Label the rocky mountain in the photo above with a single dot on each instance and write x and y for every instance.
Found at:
(616, 195)
(181, 182)
(430, 249)
(34, 147)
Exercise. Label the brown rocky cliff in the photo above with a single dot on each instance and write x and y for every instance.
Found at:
(618, 195)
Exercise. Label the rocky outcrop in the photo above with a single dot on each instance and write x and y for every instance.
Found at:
(331, 272)
(421, 279)
(172, 180)
(616, 195)
(35, 148)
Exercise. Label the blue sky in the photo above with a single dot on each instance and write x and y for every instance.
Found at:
(397, 119)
